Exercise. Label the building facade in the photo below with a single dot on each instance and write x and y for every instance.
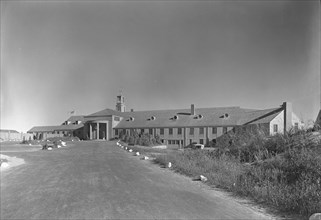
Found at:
(13, 135)
(73, 126)
(181, 127)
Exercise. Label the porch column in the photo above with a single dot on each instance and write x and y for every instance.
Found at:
(97, 126)
(207, 135)
(107, 135)
(90, 131)
(185, 136)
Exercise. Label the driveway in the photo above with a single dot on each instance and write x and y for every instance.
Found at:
(97, 180)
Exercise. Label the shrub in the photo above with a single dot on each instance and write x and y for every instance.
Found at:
(283, 171)
(140, 139)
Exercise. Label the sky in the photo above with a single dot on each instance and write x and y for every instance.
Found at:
(59, 56)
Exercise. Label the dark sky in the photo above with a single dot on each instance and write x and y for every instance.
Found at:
(60, 56)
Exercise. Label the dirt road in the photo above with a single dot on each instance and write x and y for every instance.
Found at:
(97, 180)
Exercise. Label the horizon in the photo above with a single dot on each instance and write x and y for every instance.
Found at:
(58, 57)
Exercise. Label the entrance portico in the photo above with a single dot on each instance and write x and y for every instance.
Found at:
(98, 130)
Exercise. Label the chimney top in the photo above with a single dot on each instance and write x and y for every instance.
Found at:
(192, 109)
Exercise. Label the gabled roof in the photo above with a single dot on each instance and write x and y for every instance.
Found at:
(106, 112)
(223, 116)
(75, 118)
(55, 128)
(42, 129)
(259, 116)
(68, 127)
(8, 130)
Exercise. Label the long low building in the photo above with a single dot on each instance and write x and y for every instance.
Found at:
(13, 135)
(73, 126)
(184, 126)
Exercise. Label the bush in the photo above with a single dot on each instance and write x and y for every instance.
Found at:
(140, 139)
(283, 171)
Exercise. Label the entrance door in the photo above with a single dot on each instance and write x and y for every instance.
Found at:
(102, 131)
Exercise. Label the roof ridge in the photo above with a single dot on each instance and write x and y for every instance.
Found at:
(183, 109)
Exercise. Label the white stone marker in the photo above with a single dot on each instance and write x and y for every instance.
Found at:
(4, 165)
(203, 178)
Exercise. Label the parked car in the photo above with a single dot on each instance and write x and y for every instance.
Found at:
(195, 145)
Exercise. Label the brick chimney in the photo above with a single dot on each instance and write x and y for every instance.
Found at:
(287, 111)
(192, 109)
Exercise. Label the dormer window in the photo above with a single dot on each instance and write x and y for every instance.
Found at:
(224, 116)
(131, 119)
(153, 118)
(198, 116)
(175, 117)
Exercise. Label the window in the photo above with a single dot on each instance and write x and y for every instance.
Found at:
(142, 131)
(201, 130)
(214, 130)
(170, 131)
(191, 131)
(150, 131)
(201, 141)
(116, 131)
(275, 128)
(161, 131)
(179, 131)
(224, 130)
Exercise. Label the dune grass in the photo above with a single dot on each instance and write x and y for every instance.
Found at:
(283, 171)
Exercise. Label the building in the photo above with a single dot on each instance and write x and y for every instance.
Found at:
(71, 127)
(184, 126)
(13, 135)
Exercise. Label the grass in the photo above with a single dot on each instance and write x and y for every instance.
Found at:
(52, 139)
(282, 171)
(150, 151)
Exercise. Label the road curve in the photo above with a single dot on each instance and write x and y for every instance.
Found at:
(97, 180)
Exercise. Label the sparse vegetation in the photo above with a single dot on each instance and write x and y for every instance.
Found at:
(140, 139)
(283, 171)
